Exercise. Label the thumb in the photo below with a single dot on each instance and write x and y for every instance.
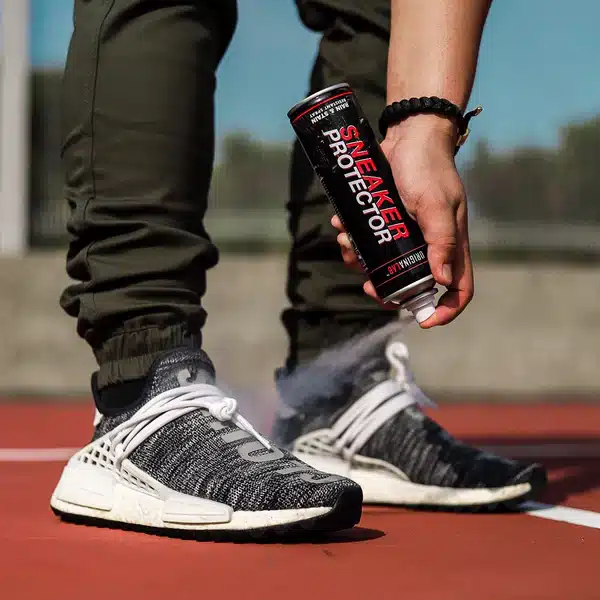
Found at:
(438, 224)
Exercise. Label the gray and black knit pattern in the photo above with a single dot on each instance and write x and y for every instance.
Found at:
(428, 455)
(411, 441)
(198, 455)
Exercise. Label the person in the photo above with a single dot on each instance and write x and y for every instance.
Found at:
(170, 451)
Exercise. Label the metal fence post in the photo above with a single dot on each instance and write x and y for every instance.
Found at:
(14, 126)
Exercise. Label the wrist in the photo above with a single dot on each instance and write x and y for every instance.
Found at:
(427, 127)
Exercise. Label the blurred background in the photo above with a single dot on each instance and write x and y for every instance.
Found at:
(531, 167)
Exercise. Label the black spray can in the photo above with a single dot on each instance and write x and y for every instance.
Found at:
(357, 178)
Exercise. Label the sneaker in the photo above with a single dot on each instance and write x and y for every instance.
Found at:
(376, 434)
(183, 459)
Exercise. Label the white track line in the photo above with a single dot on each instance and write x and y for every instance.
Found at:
(36, 454)
(525, 451)
(574, 516)
(555, 450)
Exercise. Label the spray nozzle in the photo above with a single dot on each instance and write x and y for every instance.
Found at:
(422, 306)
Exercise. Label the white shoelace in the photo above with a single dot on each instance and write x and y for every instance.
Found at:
(397, 354)
(171, 405)
(356, 426)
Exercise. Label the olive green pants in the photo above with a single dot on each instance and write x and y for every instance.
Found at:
(137, 151)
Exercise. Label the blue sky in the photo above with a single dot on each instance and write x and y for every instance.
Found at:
(538, 66)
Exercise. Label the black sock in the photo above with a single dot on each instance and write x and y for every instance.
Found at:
(117, 398)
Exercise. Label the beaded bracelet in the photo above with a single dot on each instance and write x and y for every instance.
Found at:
(398, 111)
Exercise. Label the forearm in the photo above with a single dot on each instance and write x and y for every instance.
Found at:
(434, 47)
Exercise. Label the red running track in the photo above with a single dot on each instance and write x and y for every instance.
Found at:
(394, 553)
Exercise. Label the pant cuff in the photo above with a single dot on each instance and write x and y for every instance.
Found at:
(130, 354)
(312, 332)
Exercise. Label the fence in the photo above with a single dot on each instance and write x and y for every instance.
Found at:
(265, 229)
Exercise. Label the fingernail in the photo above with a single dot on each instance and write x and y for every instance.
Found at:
(447, 272)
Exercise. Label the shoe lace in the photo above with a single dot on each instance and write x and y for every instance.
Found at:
(355, 427)
(398, 357)
(171, 405)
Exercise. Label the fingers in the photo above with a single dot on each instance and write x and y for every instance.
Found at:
(437, 220)
(351, 260)
(460, 291)
(446, 233)
(369, 289)
(348, 255)
(337, 223)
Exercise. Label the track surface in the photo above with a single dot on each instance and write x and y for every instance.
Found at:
(393, 554)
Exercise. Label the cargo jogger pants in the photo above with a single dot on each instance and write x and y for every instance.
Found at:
(138, 140)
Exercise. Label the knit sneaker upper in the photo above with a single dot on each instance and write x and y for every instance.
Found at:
(211, 451)
(379, 417)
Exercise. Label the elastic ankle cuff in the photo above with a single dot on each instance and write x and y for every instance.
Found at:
(312, 332)
(130, 354)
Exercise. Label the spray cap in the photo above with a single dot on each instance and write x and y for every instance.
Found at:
(422, 306)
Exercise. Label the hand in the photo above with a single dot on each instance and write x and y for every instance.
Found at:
(421, 153)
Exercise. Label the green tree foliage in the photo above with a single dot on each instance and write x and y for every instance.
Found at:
(578, 171)
(525, 184)
(46, 206)
(251, 174)
(553, 185)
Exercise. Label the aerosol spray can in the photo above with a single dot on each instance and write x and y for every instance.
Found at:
(357, 178)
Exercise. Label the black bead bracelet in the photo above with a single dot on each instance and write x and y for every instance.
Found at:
(398, 111)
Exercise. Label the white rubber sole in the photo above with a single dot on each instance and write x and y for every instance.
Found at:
(133, 497)
(383, 487)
